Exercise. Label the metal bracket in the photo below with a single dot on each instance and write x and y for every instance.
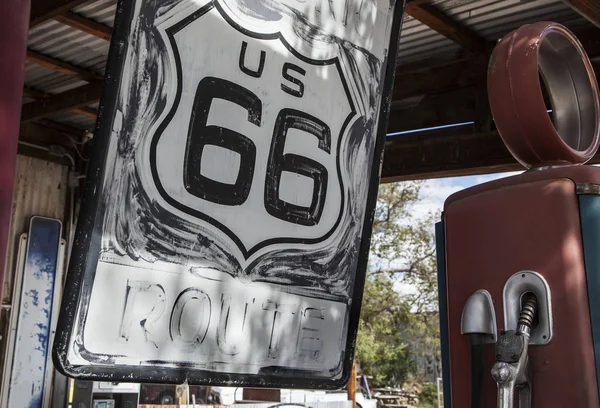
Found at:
(516, 286)
(479, 317)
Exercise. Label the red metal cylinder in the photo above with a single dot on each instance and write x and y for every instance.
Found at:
(517, 101)
(13, 45)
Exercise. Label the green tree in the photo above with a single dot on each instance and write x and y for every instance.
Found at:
(403, 245)
(428, 396)
(381, 350)
(398, 338)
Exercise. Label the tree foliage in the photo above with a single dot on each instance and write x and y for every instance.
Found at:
(403, 244)
(428, 396)
(381, 350)
(398, 338)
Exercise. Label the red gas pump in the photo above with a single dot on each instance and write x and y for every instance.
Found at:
(519, 258)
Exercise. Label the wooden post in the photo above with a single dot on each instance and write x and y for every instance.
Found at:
(352, 386)
(13, 47)
(182, 392)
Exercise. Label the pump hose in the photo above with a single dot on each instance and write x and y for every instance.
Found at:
(528, 311)
(527, 315)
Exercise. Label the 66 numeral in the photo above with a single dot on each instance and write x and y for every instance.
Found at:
(279, 162)
(200, 135)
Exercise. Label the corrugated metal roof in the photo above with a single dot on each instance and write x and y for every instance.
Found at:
(68, 44)
(494, 19)
(74, 119)
(49, 81)
(102, 11)
(491, 19)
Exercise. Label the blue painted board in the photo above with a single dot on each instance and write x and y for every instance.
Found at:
(35, 314)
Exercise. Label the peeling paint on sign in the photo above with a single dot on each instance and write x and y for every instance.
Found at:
(33, 331)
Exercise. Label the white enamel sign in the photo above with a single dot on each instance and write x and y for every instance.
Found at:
(225, 230)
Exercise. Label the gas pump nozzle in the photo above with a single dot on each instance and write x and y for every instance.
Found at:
(479, 323)
(511, 370)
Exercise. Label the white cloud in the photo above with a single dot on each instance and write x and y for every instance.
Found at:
(434, 193)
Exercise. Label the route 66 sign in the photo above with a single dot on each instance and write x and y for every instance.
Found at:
(224, 233)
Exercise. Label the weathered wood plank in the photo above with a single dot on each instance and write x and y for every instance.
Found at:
(435, 19)
(74, 98)
(62, 66)
(589, 9)
(85, 24)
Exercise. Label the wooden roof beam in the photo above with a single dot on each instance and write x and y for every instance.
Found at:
(34, 93)
(447, 153)
(589, 9)
(85, 24)
(62, 66)
(32, 131)
(444, 108)
(44, 10)
(46, 137)
(85, 111)
(467, 72)
(61, 127)
(434, 80)
(444, 153)
(75, 98)
(435, 19)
